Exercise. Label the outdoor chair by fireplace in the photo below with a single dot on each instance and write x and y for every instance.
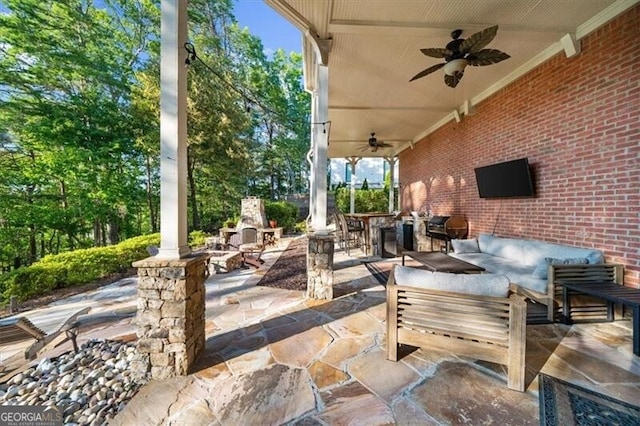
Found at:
(246, 242)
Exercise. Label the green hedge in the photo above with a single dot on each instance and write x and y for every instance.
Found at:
(366, 200)
(73, 268)
(197, 239)
(285, 213)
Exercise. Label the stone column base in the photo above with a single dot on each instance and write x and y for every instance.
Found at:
(320, 267)
(170, 319)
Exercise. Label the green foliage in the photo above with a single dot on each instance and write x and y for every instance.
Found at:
(74, 268)
(370, 200)
(387, 181)
(285, 213)
(339, 185)
(79, 124)
(197, 238)
(231, 221)
(301, 227)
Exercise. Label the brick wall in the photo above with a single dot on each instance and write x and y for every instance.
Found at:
(578, 122)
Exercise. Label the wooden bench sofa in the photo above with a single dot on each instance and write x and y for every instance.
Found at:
(485, 327)
(538, 267)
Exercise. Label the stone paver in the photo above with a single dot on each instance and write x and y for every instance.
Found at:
(387, 379)
(325, 376)
(460, 394)
(409, 414)
(272, 357)
(270, 396)
(343, 350)
(301, 349)
(353, 404)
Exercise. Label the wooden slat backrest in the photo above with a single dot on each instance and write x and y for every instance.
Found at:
(487, 328)
(610, 272)
(18, 329)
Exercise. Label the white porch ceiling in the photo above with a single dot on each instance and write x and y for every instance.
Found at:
(376, 50)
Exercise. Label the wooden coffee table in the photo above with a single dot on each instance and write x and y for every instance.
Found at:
(440, 262)
(611, 293)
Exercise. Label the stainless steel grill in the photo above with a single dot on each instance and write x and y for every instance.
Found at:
(446, 228)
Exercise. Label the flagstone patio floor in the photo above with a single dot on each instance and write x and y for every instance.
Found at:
(273, 358)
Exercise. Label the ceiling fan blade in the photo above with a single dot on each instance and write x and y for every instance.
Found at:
(479, 40)
(427, 71)
(436, 52)
(486, 57)
(453, 80)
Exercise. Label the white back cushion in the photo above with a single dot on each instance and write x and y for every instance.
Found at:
(496, 285)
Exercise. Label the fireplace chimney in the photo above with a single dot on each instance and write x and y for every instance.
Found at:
(252, 213)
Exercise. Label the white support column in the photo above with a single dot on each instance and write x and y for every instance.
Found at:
(312, 180)
(352, 195)
(173, 130)
(320, 139)
(392, 166)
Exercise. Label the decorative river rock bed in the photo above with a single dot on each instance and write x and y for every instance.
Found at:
(89, 387)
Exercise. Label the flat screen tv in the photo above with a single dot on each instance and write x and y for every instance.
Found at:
(503, 180)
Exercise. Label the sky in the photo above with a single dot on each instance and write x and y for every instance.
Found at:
(264, 22)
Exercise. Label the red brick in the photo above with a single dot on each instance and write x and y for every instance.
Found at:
(578, 122)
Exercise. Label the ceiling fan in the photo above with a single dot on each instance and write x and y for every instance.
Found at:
(374, 144)
(460, 52)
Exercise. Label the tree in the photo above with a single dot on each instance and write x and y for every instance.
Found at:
(79, 122)
(65, 105)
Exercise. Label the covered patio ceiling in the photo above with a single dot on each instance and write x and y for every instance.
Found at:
(375, 51)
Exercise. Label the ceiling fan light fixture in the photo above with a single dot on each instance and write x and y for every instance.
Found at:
(455, 66)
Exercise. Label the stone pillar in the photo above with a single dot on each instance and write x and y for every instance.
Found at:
(170, 319)
(320, 267)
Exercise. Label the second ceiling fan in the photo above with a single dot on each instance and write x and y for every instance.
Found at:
(375, 144)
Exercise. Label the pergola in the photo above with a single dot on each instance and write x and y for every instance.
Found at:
(358, 59)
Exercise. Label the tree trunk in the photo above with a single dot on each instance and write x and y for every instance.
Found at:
(103, 233)
(33, 245)
(97, 233)
(65, 208)
(114, 231)
(153, 217)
